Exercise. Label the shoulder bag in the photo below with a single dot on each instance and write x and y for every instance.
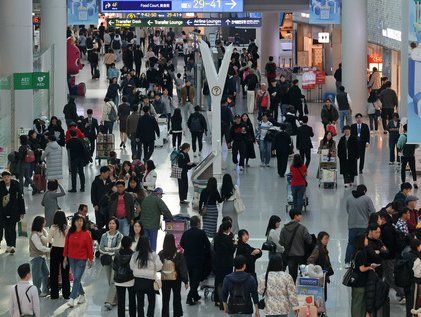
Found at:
(262, 303)
(238, 202)
(350, 276)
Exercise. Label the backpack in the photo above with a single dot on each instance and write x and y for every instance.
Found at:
(116, 45)
(263, 101)
(168, 271)
(13, 159)
(112, 115)
(238, 302)
(403, 273)
(174, 157)
(87, 150)
(195, 124)
(29, 156)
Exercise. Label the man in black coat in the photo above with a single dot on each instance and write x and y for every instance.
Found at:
(197, 250)
(12, 209)
(304, 145)
(348, 156)
(294, 96)
(197, 126)
(275, 97)
(77, 160)
(90, 129)
(282, 146)
(361, 131)
(99, 188)
(147, 127)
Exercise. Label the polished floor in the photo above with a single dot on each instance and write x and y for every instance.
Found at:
(264, 194)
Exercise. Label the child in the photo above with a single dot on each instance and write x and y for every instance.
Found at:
(24, 300)
(49, 201)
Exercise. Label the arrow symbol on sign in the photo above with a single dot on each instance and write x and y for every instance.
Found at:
(149, 22)
(233, 4)
(189, 22)
(228, 21)
(107, 5)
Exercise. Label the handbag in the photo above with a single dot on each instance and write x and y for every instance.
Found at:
(176, 171)
(106, 259)
(305, 108)
(238, 203)
(262, 303)
(350, 276)
(29, 156)
(269, 246)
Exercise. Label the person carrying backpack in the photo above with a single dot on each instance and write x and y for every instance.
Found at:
(173, 272)
(239, 291)
(408, 156)
(197, 125)
(109, 115)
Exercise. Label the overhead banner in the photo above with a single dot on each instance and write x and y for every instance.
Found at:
(325, 11)
(414, 73)
(82, 12)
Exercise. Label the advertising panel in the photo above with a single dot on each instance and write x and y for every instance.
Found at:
(82, 12)
(325, 11)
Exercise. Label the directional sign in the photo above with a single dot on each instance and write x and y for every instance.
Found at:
(193, 6)
(172, 22)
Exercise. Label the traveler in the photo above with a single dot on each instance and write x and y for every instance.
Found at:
(282, 148)
(304, 145)
(358, 207)
(136, 231)
(400, 197)
(238, 136)
(224, 248)
(12, 209)
(298, 182)
(145, 264)
(131, 128)
(270, 69)
(374, 81)
(122, 207)
(72, 126)
(411, 204)
(338, 76)
(187, 98)
(109, 115)
(77, 161)
(56, 237)
(173, 273)
(361, 131)
(108, 247)
(393, 127)
(38, 251)
(176, 128)
(197, 250)
(149, 179)
(348, 156)
(295, 98)
(24, 299)
(78, 251)
(408, 156)
(56, 129)
(153, 207)
(343, 104)
(265, 141)
(251, 83)
(208, 207)
(250, 138)
(278, 289)
(250, 253)
(113, 89)
(327, 143)
(123, 112)
(275, 93)
(53, 157)
(49, 201)
(376, 250)
(239, 291)
(230, 192)
(124, 279)
(197, 126)
(389, 100)
(90, 129)
(147, 127)
(409, 258)
(93, 60)
(329, 113)
(138, 56)
(185, 164)
(294, 237)
(226, 121)
(273, 231)
(99, 188)
(70, 111)
(374, 107)
(24, 166)
(262, 100)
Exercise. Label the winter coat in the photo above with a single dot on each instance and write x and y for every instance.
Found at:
(128, 205)
(245, 250)
(121, 266)
(302, 237)
(348, 164)
(224, 248)
(359, 207)
(53, 156)
(376, 292)
(329, 116)
(15, 207)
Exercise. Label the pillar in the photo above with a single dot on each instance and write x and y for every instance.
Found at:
(404, 88)
(16, 55)
(53, 34)
(354, 52)
(270, 43)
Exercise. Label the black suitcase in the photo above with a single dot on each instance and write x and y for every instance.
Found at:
(97, 73)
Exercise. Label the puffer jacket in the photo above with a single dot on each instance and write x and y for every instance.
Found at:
(121, 266)
(53, 157)
(376, 292)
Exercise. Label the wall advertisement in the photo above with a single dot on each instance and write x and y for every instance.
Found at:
(414, 73)
(325, 11)
(82, 12)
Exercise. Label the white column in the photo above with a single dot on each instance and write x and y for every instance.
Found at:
(16, 54)
(53, 33)
(354, 52)
(270, 43)
(403, 103)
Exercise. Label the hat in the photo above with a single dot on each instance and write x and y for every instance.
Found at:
(6, 173)
(72, 124)
(237, 116)
(158, 191)
(410, 198)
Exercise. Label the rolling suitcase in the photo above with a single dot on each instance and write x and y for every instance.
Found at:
(97, 73)
(39, 181)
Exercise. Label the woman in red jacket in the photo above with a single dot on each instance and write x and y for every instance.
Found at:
(78, 249)
(298, 182)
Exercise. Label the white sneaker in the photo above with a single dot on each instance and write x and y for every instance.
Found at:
(267, 165)
(8, 249)
(81, 299)
(347, 265)
(71, 302)
(12, 250)
(108, 306)
(262, 165)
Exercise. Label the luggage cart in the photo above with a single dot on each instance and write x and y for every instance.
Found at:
(290, 200)
(177, 226)
(163, 131)
(104, 145)
(311, 293)
(327, 171)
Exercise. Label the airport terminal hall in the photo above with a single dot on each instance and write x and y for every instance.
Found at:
(210, 158)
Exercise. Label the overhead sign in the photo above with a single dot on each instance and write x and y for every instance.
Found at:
(191, 6)
(82, 12)
(165, 15)
(325, 12)
(37, 80)
(170, 22)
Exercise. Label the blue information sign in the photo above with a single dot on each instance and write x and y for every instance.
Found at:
(193, 6)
